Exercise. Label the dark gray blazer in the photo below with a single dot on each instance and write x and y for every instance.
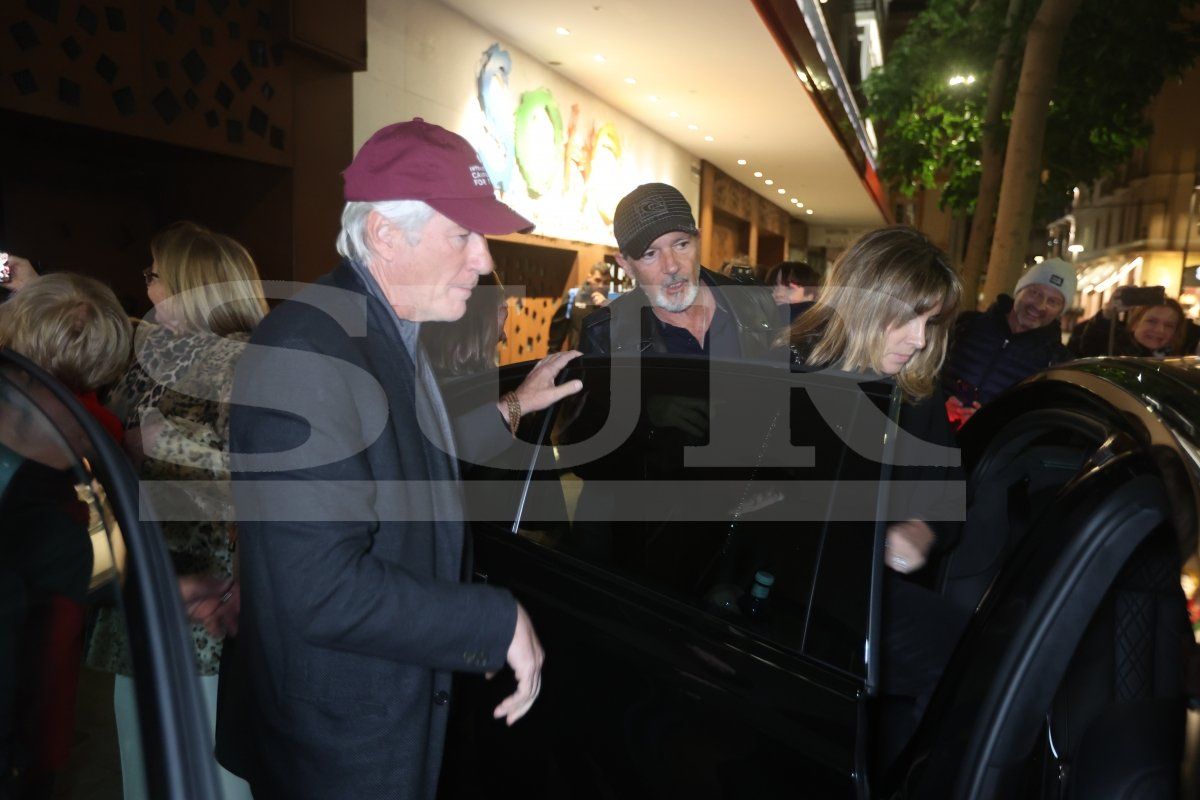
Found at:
(351, 621)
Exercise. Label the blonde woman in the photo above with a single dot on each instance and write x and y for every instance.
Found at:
(174, 400)
(885, 309)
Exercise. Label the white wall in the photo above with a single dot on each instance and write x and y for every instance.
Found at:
(424, 60)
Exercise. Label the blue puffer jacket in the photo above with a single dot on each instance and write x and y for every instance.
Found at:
(986, 357)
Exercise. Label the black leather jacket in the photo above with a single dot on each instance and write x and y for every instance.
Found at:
(752, 309)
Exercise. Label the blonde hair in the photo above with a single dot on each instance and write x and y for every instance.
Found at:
(71, 326)
(883, 280)
(210, 278)
(1176, 345)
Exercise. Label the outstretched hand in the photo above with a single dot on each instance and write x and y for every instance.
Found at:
(538, 390)
(525, 656)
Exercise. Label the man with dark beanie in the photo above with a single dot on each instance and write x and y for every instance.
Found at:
(678, 306)
(1019, 335)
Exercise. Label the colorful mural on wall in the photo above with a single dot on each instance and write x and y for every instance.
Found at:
(564, 173)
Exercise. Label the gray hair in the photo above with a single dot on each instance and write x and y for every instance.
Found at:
(408, 215)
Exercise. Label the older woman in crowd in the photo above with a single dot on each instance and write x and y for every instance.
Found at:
(73, 328)
(174, 401)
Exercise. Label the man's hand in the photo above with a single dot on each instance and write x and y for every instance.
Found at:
(538, 391)
(907, 545)
(959, 413)
(525, 656)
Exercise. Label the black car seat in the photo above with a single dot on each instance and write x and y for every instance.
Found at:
(1116, 727)
(1007, 496)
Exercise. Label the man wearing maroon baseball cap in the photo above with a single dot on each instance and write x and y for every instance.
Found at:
(353, 611)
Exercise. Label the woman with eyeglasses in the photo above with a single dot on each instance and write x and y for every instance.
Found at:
(174, 400)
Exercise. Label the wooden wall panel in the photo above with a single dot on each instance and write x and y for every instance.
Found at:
(545, 273)
(207, 74)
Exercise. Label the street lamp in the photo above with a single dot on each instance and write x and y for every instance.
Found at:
(960, 80)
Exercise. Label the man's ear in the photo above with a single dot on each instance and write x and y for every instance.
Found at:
(381, 236)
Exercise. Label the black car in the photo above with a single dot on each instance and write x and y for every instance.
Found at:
(713, 626)
(712, 618)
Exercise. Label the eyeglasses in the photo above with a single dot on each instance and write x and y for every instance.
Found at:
(150, 275)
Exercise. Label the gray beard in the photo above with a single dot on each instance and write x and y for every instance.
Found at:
(675, 306)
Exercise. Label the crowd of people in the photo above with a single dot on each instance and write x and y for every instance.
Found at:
(331, 600)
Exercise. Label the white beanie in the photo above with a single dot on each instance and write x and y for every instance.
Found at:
(1053, 272)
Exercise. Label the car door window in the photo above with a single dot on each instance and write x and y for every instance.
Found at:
(763, 540)
(64, 516)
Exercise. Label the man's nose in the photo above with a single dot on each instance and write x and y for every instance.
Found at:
(669, 263)
(480, 260)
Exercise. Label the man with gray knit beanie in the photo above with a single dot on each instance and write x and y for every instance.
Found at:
(1019, 335)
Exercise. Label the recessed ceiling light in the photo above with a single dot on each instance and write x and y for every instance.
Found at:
(808, 211)
(561, 31)
(674, 115)
(653, 98)
(631, 81)
(782, 191)
(758, 174)
(769, 182)
(599, 59)
(794, 200)
(693, 127)
(741, 162)
(708, 138)
(799, 205)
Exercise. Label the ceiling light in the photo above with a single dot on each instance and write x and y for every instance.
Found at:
(799, 205)
(631, 81)
(1075, 248)
(1038, 259)
(769, 182)
(653, 98)
(674, 115)
(782, 191)
(741, 162)
(693, 127)
(561, 31)
(808, 211)
(758, 174)
(708, 138)
(794, 200)
(599, 59)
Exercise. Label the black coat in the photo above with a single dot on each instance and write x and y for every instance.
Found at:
(986, 357)
(753, 311)
(351, 621)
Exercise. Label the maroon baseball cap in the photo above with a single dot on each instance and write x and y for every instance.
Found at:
(418, 161)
